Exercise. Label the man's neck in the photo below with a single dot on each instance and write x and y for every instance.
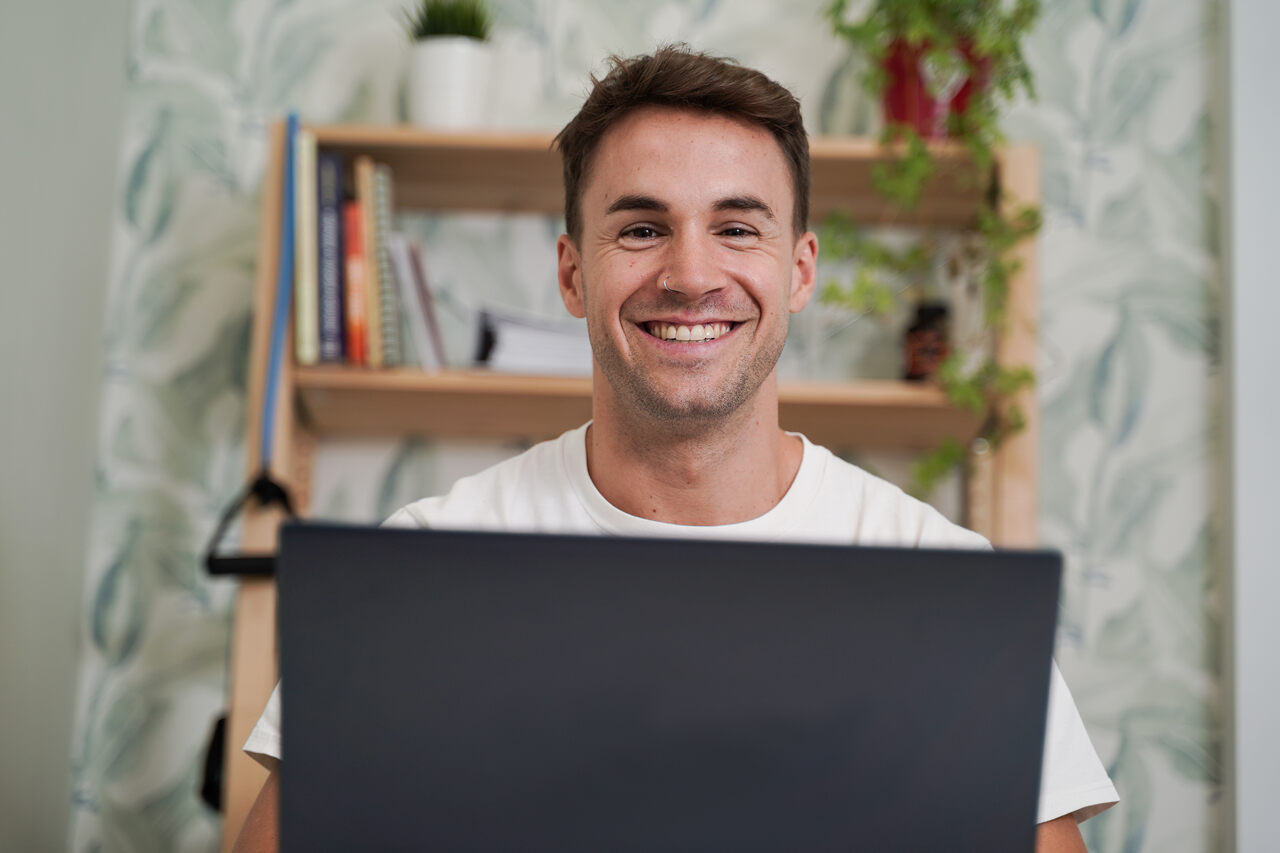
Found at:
(733, 470)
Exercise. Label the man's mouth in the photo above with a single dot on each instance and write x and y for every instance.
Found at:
(697, 332)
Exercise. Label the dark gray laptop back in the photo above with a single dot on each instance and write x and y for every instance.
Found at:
(466, 691)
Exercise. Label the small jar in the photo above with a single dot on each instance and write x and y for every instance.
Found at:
(926, 342)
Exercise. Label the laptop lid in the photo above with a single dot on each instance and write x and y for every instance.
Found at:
(478, 691)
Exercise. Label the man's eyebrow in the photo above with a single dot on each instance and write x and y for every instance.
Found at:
(636, 202)
(745, 203)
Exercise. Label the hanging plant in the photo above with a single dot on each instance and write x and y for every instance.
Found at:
(942, 69)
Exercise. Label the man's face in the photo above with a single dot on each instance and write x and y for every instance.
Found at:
(703, 203)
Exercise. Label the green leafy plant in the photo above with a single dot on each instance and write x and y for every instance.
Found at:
(956, 40)
(883, 272)
(430, 18)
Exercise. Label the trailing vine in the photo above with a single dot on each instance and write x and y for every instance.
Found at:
(957, 41)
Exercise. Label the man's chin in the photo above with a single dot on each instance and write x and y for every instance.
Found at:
(684, 408)
(680, 400)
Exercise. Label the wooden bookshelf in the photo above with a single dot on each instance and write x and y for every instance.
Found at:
(519, 173)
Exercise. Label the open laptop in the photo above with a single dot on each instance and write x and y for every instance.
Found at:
(481, 691)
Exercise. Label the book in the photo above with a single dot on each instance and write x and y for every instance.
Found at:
(388, 289)
(330, 256)
(416, 301)
(364, 180)
(513, 343)
(353, 250)
(306, 314)
(427, 299)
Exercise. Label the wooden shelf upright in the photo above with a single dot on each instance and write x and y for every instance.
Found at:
(520, 173)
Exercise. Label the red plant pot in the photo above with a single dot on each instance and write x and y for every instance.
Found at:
(906, 99)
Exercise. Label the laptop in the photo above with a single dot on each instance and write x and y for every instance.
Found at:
(446, 690)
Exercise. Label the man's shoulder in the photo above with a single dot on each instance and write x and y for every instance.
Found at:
(879, 512)
(502, 496)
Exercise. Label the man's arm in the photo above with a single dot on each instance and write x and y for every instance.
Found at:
(1060, 835)
(261, 830)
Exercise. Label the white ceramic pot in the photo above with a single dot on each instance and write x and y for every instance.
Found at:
(449, 83)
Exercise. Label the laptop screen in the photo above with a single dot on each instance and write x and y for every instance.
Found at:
(481, 691)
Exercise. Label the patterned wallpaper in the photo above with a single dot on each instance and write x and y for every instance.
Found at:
(1129, 365)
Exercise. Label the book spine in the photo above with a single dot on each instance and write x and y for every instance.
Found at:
(365, 194)
(388, 293)
(331, 258)
(306, 315)
(427, 299)
(353, 246)
(414, 312)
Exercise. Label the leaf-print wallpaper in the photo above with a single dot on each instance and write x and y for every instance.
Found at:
(1128, 369)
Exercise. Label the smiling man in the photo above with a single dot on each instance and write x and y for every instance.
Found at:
(687, 258)
(686, 207)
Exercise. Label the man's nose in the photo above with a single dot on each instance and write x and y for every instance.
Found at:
(691, 268)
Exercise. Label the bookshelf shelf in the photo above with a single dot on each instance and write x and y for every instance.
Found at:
(339, 401)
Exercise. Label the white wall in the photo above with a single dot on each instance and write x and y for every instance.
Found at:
(62, 67)
(1252, 221)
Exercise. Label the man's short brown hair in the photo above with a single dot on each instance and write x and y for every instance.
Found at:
(675, 76)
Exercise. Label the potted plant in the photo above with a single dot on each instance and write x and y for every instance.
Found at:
(449, 63)
(942, 68)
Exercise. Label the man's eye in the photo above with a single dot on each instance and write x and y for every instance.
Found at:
(738, 232)
(640, 232)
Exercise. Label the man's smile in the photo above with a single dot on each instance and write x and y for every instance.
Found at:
(696, 332)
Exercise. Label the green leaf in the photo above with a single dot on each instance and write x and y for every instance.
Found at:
(839, 237)
(1181, 307)
(1117, 15)
(119, 605)
(1010, 380)
(1130, 93)
(1124, 637)
(902, 180)
(129, 718)
(1131, 506)
(965, 391)
(427, 18)
(870, 295)
(930, 469)
(1119, 385)
(151, 188)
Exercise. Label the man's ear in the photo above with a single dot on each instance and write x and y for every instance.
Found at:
(804, 271)
(569, 272)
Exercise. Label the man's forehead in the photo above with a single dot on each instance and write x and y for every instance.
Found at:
(654, 143)
(673, 128)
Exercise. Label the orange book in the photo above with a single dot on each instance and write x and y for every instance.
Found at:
(357, 319)
(365, 170)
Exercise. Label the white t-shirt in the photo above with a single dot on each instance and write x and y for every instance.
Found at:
(547, 489)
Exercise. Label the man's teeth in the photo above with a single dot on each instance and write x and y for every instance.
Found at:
(704, 332)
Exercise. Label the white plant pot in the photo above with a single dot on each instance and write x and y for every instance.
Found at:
(449, 83)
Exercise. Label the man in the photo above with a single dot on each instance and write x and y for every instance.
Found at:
(686, 202)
